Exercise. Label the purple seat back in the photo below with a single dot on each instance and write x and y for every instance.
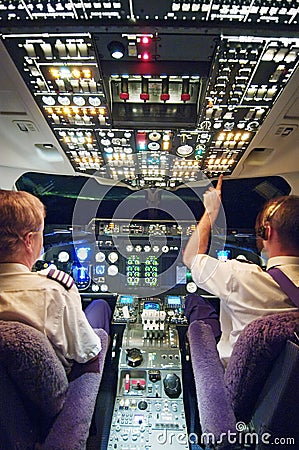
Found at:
(253, 357)
(215, 412)
(37, 402)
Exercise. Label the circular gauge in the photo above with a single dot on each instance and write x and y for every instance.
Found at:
(50, 101)
(63, 257)
(100, 257)
(113, 257)
(156, 248)
(191, 287)
(147, 248)
(154, 136)
(138, 248)
(79, 101)
(154, 146)
(165, 249)
(184, 150)
(129, 248)
(104, 287)
(65, 101)
(94, 101)
(112, 270)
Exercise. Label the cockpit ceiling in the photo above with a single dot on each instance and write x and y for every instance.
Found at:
(184, 102)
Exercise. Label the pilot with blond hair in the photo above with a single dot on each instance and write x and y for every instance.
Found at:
(47, 300)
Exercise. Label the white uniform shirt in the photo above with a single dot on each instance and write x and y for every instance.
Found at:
(245, 291)
(45, 304)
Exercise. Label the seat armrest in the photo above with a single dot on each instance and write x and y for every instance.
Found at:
(70, 429)
(215, 411)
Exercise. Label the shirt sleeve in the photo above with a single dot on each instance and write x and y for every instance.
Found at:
(75, 338)
(212, 275)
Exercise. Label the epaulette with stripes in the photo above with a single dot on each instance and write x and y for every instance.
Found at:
(61, 277)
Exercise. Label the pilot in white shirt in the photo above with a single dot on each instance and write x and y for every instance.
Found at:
(246, 292)
(48, 300)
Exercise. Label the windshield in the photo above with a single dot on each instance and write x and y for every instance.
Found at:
(242, 199)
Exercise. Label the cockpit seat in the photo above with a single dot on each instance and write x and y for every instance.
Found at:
(40, 408)
(256, 398)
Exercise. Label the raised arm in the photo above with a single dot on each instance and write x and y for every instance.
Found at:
(199, 240)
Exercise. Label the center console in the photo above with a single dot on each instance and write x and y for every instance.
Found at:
(149, 409)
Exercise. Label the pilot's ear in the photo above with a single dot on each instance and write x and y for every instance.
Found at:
(27, 239)
(268, 232)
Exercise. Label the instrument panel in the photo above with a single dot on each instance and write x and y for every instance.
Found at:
(141, 258)
(125, 257)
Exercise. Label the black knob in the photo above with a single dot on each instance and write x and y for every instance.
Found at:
(134, 357)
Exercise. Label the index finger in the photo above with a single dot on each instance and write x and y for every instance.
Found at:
(219, 183)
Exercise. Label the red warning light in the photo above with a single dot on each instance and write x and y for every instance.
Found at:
(141, 140)
(145, 56)
(145, 40)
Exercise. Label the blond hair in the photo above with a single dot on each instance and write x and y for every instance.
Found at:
(20, 213)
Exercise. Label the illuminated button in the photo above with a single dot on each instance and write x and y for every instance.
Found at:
(113, 257)
(191, 287)
(79, 101)
(104, 287)
(82, 253)
(165, 249)
(154, 146)
(63, 257)
(94, 101)
(95, 288)
(154, 136)
(112, 270)
(100, 257)
(50, 101)
(65, 101)
(184, 150)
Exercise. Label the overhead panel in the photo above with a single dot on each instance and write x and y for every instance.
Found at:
(184, 101)
(245, 11)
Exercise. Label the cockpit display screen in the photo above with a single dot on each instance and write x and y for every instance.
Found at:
(126, 299)
(173, 300)
(151, 305)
